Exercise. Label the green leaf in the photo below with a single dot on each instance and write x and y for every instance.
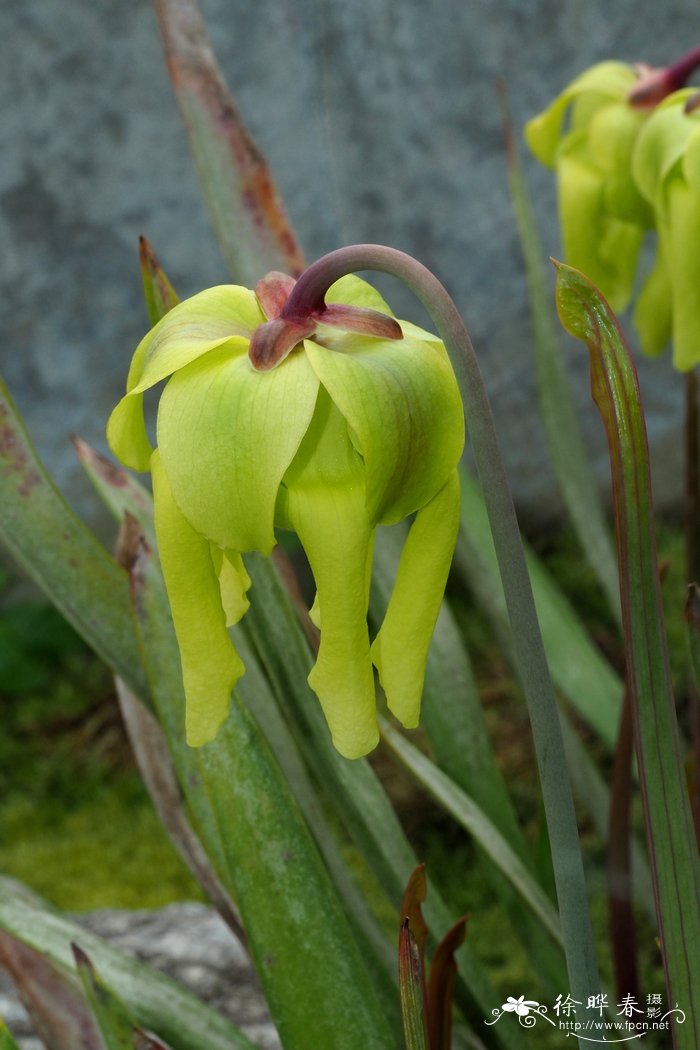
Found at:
(6, 1040)
(245, 208)
(114, 1020)
(156, 1001)
(412, 989)
(670, 835)
(61, 555)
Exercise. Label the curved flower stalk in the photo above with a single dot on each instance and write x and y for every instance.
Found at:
(328, 423)
(666, 168)
(603, 215)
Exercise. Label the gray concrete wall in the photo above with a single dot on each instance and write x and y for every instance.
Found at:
(380, 120)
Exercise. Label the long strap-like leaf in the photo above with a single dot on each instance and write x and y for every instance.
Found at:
(675, 866)
(246, 209)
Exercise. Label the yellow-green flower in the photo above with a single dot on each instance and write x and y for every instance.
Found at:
(588, 134)
(666, 168)
(353, 422)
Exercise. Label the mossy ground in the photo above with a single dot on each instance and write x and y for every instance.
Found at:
(76, 823)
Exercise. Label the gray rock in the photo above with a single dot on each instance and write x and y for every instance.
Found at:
(191, 944)
(380, 122)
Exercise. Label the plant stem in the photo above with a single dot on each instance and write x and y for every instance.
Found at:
(655, 85)
(307, 296)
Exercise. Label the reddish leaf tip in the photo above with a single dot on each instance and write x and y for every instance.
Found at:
(82, 959)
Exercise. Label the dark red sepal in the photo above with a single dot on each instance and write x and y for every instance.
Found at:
(360, 319)
(273, 341)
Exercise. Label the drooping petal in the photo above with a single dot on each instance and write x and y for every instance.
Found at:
(683, 237)
(210, 664)
(602, 82)
(661, 144)
(400, 650)
(225, 314)
(234, 582)
(610, 141)
(227, 434)
(652, 311)
(217, 315)
(323, 500)
(604, 248)
(126, 433)
(404, 411)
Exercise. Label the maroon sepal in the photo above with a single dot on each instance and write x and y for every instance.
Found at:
(272, 292)
(360, 319)
(273, 341)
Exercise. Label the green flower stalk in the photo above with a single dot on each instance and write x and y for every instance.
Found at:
(666, 168)
(603, 216)
(328, 421)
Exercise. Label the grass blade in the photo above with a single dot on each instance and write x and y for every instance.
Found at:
(246, 210)
(675, 866)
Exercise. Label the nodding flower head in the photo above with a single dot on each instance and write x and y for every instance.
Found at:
(327, 424)
(666, 167)
(588, 134)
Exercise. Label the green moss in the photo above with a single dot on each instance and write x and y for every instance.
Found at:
(77, 824)
(108, 851)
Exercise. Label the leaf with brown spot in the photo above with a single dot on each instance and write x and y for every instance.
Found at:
(246, 209)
